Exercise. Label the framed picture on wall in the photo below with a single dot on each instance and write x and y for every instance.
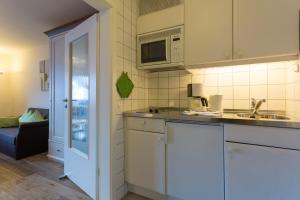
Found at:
(44, 75)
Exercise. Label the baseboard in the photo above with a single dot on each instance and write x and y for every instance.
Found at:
(57, 159)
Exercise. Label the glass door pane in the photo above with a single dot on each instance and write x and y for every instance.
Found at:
(80, 95)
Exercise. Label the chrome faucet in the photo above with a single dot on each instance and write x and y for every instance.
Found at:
(255, 105)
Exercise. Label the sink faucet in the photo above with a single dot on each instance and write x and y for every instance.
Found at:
(255, 105)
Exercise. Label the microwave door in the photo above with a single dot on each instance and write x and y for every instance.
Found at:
(154, 52)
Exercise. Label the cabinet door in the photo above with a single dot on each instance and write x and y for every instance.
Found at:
(145, 160)
(266, 28)
(261, 173)
(58, 88)
(195, 162)
(208, 31)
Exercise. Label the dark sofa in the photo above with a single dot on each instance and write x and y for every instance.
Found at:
(27, 139)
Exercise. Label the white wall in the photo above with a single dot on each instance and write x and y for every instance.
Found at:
(20, 84)
(6, 107)
(7, 61)
(30, 86)
(125, 14)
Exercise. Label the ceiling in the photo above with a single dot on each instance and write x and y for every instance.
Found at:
(22, 22)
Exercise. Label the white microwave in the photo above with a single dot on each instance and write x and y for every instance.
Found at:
(161, 49)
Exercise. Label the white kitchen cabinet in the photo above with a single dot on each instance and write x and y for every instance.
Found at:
(195, 161)
(261, 163)
(227, 32)
(261, 173)
(57, 93)
(208, 31)
(265, 28)
(145, 160)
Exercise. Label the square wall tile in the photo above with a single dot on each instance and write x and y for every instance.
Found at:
(211, 79)
(174, 103)
(241, 78)
(153, 83)
(297, 92)
(259, 77)
(174, 82)
(227, 91)
(225, 79)
(197, 79)
(259, 91)
(163, 94)
(163, 103)
(185, 80)
(174, 93)
(153, 103)
(163, 82)
(241, 104)
(210, 90)
(183, 93)
(277, 92)
(228, 104)
(241, 92)
(276, 105)
(277, 76)
(153, 93)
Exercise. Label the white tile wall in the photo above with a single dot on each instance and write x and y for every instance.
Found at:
(238, 84)
(293, 91)
(125, 14)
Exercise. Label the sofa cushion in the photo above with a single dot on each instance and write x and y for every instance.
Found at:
(9, 122)
(9, 135)
(43, 112)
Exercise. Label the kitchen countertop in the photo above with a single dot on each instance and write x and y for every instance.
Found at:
(230, 118)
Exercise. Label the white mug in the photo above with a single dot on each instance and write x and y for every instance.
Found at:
(216, 103)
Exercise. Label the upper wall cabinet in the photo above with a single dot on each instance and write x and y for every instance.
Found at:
(208, 31)
(265, 28)
(233, 32)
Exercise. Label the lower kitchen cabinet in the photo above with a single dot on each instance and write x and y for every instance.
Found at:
(262, 173)
(145, 160)
(195, 163)
(262, 163)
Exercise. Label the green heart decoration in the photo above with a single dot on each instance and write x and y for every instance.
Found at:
(124, 85)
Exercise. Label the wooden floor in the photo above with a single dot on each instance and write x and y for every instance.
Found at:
(35, 178)
(131, 196)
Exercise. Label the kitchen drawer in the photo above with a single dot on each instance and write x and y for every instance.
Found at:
(146, 124)
(155, 125)
(56, 150)
(135, 123)
(265, 136)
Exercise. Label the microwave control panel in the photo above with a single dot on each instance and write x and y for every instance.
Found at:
(177, 48)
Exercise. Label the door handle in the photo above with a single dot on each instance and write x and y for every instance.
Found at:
(65, 100)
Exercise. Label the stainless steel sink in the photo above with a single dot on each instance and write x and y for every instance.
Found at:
(263, 116)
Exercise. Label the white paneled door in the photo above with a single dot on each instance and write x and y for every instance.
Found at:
(81, 133)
